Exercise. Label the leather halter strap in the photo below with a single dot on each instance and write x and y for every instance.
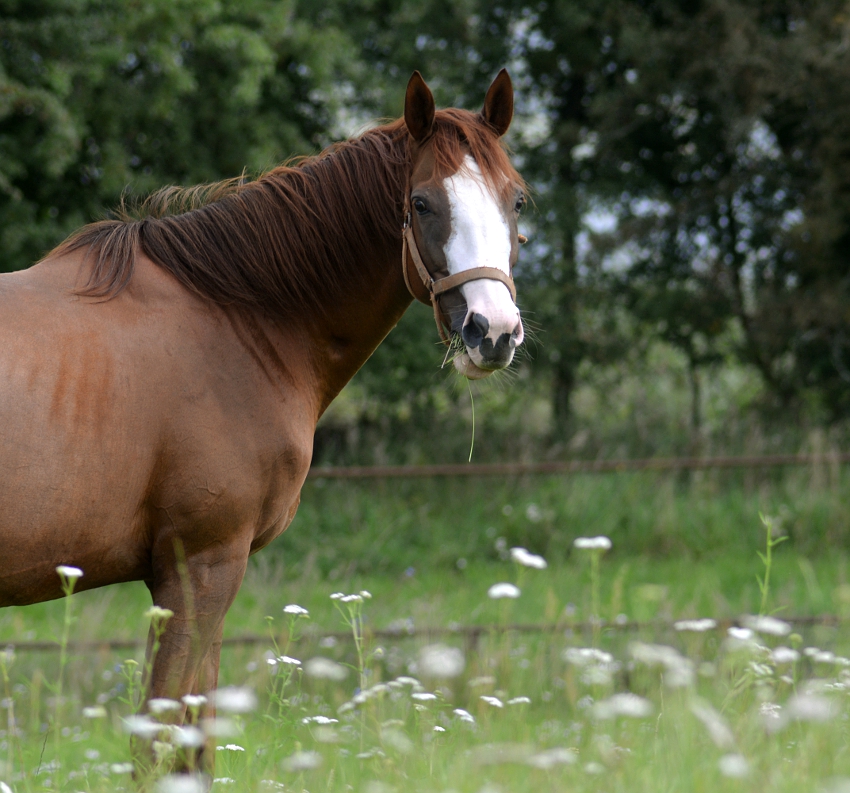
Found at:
(427, 289)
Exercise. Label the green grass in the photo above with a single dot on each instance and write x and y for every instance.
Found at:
(670, 750)
(388, 526)
(388, 743)
(643, 588)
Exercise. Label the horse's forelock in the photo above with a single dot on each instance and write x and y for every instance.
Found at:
(458, 133)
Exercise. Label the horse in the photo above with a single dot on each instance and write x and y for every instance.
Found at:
(162, 372)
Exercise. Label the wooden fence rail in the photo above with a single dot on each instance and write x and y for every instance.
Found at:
(573, 466)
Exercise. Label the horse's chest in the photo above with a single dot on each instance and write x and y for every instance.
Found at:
(231, 489)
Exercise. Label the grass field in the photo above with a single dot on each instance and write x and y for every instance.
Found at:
(646, 709)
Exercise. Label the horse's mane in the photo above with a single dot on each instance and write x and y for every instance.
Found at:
(295, 235)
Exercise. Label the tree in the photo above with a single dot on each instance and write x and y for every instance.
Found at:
(98, 98)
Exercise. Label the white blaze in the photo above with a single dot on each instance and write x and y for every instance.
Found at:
(480, 237)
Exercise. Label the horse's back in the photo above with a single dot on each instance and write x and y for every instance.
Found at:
(117, 417)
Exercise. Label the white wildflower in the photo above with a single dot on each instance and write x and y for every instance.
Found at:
(769, 625)
(519, 701)
(71, 573)
(235, 699)
(423, 696)
(824, 657)
(295, 609)
(438, 728)
(494, 701)
(318, 720)
(396, 739)
(760, 670)
(741, 634)
(503, 590)
(194, 700)
(325, 669)
(181, 783)
(440, 660)
(351, 599)
(584, 656)
(592, 543)
(365, 594)
(678, 670)
(231, 747)
(696, 626)
(143, 726)
(464, 715)
(94, 712)
(601, 675)
(121, 768)
(337, 595)
(285, 659)
(784, 655)
(158, 613)
(163, 705)
(771, 713)
(716, 725)
(625, 704)
(552, 757)
(302, 761)
(219, 727)
(734, 766)
(528, 559)
(810, 707)
(188, 736)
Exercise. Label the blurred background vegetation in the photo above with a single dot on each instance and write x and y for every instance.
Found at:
(687, 276)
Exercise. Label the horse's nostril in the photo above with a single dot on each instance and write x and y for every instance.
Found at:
(475, 330)
(517, 335)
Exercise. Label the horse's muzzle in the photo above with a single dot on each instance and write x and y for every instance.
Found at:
(483, 350)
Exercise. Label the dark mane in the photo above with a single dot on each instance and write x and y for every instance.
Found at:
(294, 236)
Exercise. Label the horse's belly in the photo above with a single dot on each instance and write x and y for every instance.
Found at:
(60, 505)
(73, 469)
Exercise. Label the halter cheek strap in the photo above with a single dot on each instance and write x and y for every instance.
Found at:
(427, 289)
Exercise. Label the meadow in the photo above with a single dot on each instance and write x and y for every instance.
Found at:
(603, 673)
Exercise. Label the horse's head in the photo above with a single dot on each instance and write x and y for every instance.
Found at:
(461, 223)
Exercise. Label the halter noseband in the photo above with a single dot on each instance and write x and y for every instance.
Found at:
(427, 289)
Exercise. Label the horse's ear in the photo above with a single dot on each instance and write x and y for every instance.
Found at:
(418, 108)
(499, 103)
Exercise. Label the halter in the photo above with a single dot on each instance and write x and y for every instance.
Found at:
(427, 289)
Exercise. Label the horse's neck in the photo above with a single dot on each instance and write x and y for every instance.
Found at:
(355, 328)
(364, 294)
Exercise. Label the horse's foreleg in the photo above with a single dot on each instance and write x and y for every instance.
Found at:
(199, 593)
(205, 681)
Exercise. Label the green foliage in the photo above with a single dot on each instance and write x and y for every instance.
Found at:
(540, 711)
(101, 97)
(686, 162)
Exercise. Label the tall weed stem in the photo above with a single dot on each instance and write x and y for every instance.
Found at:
(771, 542)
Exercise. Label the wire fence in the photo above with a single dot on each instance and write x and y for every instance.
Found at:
(472, 633)
(469, 633)
(574, 466)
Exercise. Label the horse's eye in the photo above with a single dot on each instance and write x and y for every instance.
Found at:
(519, 204)
(420, 206)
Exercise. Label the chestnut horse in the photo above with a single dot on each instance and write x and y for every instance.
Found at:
(161, 376)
